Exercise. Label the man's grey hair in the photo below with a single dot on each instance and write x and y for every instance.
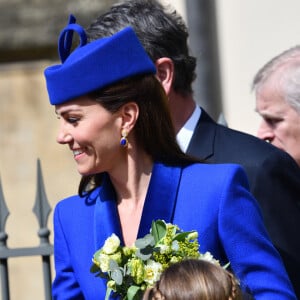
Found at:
(288, 64)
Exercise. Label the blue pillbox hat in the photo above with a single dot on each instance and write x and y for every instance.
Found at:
(92, 66)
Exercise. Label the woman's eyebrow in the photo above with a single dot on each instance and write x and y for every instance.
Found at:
(64, 111)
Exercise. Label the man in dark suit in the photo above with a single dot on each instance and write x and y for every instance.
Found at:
(273, 175)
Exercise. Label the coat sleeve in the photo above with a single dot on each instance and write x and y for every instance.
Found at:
(65, 285)
(246, 243)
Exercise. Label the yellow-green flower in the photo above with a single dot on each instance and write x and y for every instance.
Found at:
(175, 259)
(111, 284)
(136, 267)
(129, 251)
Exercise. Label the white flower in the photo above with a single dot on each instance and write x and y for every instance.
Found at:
(208, 257)
(175, 246)
(103, 260)
(163, 248)
(111, 244)
(152, 271)
(193, 235)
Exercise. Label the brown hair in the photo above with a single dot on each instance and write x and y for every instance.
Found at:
(160, 29)
(154, 131)
(193, 279)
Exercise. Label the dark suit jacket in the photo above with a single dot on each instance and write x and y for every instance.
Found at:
(274, 180)
(212, 199)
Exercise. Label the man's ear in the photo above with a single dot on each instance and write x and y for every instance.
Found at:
(165, 73)
(129, 114)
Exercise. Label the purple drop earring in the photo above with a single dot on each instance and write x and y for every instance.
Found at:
(123, 140)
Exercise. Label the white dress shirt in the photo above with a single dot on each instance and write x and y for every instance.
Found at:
(184, 135)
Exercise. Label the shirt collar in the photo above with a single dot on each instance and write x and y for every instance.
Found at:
(184, 135)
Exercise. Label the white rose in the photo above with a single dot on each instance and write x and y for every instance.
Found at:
(152, 271)
(104, 262)
(111, 244)
(208, 257)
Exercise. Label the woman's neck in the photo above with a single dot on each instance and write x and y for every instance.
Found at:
(131, 185)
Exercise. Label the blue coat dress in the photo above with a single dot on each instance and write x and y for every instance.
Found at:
(212, 199)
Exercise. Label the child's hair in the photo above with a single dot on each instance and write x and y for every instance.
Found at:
(193, 279)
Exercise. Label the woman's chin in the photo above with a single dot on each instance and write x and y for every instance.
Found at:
(83, 172)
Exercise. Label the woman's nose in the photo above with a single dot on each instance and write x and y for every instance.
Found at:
(63, 137)
(264, 132)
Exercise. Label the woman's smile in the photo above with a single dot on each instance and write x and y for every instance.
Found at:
(77, 154)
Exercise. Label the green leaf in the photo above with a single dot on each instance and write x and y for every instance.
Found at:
(147, 240)
(117, 276)
(158, 230)
(97, 253)
(113, 265)
(144, 253)
(132, 291)
(94, 269)
(181, 236)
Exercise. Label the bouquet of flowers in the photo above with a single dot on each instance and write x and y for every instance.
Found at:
(129, 271)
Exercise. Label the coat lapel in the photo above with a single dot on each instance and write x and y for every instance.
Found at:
(161, 196)
(106, 219)
(203, 139)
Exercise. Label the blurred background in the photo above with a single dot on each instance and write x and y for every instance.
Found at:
(231, 39)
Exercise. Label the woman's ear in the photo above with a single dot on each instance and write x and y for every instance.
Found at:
(165, 73)
(129, 114)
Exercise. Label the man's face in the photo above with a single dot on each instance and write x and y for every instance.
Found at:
(280, 123)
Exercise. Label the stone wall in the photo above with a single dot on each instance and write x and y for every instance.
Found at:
(29, 28)
(28, 125)
(27, 132)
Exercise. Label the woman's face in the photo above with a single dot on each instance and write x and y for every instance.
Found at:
(92, 134)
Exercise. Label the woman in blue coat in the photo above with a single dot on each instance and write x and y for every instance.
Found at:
(114, 118)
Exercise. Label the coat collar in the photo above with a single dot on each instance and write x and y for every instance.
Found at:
(203, 139)
(159, 204)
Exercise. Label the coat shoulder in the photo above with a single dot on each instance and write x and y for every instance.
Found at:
(76, 203)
